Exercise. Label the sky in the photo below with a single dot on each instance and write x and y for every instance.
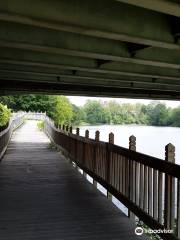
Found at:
(80, 101)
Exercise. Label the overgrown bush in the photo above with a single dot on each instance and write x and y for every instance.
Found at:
(5, 115)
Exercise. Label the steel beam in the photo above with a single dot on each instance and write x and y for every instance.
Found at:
(89, 18)
(86, 70)
(163, 6)
(79, 78)
(106, 57)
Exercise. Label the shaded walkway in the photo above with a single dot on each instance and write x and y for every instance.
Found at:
(43, 197)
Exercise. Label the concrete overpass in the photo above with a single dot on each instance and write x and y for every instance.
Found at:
(123, 48)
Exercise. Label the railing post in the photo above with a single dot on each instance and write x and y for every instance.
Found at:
(132, 143)
(70, 129)
(97, 138)
(111, 140)
(67, 128)
(132, 146)
(63, 127)
(77, 133)
(86, 136)
(169, 201)
(69, 144)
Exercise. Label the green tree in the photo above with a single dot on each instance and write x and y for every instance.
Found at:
(30, 102)
(79, 115)
(96, 113)
(139, 115)
(115, 112)
(175, 117)
(63, 113)
(158, 114)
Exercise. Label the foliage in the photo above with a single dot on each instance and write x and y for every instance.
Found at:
(63, 113)
(40, 125)
(95, 112)
(175, 117)
(5, 114)
(126, 113)
(31, 102)
(158, 114)
(79, 115)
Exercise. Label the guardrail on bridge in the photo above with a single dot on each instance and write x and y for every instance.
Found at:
(16, 120)
(149, 187)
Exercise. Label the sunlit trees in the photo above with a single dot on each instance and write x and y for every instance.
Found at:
(175, 117)
(158, 114)
(63, 113)
(30, 102)
(79, 115)
(96, 113)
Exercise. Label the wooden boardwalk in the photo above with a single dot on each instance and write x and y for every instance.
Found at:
(43, 197)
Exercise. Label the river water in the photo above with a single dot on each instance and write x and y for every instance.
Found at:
(149, 140)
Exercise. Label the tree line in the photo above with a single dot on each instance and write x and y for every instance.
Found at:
(63, 111)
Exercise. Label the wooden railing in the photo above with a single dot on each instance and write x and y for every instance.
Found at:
(149, 187)
(5, 135)
(35, 116)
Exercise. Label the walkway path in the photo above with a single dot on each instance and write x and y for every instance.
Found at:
(42, 197)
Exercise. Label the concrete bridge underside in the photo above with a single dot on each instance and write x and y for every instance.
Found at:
(122, 48)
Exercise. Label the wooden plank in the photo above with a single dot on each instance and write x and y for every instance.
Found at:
(160, 197)
(150, 192)
(155, 195)
(145, 188)
(127, 164)
(121, 173)
(169, 201)
(141, 183)
(124, 175)
(137, 183)
(153, 162)
(42, 195)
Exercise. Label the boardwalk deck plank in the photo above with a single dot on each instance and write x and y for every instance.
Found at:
(43, 197)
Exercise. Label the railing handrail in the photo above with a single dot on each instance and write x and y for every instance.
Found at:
(126, 173)
(5, 135)
(170, 168)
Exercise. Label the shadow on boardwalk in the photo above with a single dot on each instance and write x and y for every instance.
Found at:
(43, 197)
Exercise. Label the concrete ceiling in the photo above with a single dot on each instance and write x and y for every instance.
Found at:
(121, 48)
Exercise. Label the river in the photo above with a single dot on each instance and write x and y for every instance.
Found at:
(149, 140)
